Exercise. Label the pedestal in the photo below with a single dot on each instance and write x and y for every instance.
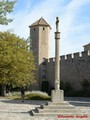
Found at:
(57, 96)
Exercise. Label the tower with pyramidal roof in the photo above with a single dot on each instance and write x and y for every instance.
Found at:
(40, 37)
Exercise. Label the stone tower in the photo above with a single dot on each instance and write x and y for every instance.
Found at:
(87, 48)
(40, 37)
(39, 34)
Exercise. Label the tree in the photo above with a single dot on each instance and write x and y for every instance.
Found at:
(17, 64)
(6, 7)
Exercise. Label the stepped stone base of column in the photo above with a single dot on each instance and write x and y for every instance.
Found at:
(54, 109)
(57, 96)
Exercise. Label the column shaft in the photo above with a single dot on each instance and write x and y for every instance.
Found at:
(57, 61)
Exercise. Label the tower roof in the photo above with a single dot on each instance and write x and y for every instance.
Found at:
(40, 22)
(88, 45)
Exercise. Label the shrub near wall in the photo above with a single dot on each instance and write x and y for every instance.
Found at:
(66, 86)
(37, 95)
(69, 91)
(85, 84)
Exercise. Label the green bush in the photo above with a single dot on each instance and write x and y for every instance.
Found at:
(37, 96)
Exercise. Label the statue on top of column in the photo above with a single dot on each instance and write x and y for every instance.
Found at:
(57, 24)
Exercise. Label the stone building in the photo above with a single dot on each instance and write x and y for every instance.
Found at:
(74, 67)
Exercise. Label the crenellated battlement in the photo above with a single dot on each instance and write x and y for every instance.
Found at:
(51, 59)
(71, 56)
(75, 55)
(68, 56)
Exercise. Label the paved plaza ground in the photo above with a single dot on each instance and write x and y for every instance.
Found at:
(16, 110)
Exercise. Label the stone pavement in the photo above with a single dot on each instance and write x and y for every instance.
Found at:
(16, 110)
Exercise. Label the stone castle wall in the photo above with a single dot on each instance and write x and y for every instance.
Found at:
(74, 69)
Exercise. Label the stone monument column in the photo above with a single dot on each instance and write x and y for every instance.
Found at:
(57, 94)
(57, 60)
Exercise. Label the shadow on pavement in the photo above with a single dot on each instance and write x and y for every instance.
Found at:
(32, 102)
(77, 101)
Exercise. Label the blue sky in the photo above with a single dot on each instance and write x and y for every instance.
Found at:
(74, 18)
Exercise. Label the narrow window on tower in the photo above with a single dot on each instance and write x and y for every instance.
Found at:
(43, 28)
(34, 29)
